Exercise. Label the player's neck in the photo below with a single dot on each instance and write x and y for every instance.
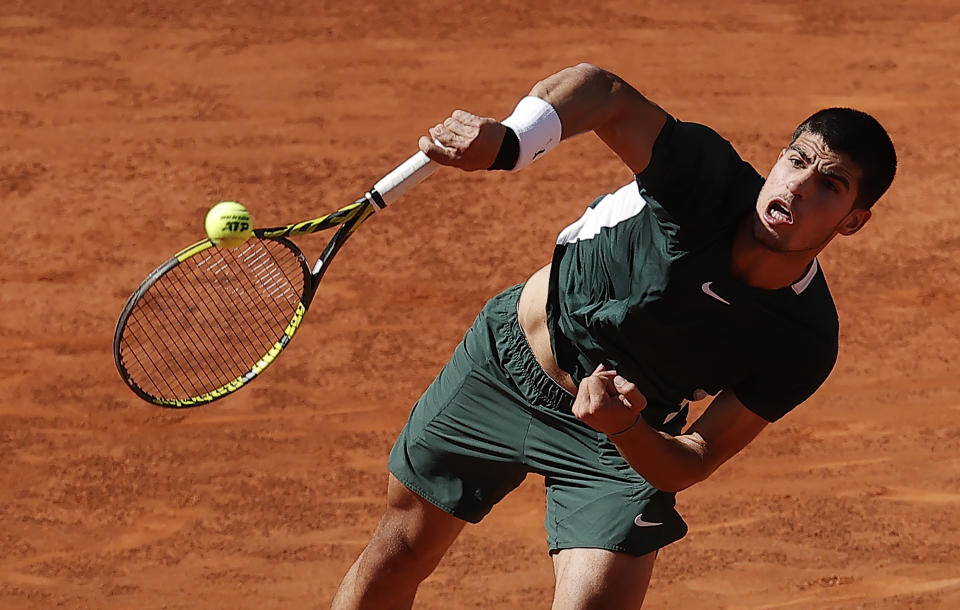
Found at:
(756, 265)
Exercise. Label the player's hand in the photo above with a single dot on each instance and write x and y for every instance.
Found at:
(465, 141)
(607, 402)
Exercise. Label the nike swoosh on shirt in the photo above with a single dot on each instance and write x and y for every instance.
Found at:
(706, 289)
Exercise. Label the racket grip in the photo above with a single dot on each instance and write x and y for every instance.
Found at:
(410, 173)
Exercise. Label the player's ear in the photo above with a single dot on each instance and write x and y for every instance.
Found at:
(854, 221)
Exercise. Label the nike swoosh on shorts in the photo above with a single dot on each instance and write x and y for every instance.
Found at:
(640, 522)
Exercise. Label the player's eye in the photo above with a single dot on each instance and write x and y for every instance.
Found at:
(831, 185)
(796, 162)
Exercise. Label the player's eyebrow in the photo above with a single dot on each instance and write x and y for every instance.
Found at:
(829, 173)
(838, 177)
(803, 155)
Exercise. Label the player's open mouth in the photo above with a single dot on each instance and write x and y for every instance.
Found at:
(779, 213)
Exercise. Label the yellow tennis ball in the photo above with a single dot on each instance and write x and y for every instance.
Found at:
(229, 224)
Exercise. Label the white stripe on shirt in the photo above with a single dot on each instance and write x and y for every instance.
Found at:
(610, 211)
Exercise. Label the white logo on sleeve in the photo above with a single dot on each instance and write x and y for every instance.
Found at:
(706, 289)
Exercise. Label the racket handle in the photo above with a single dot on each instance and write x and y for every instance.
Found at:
(410, 173)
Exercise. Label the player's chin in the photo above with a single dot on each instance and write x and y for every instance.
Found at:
(768, 236)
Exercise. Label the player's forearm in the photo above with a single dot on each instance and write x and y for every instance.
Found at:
(585, 97)
(669, 463)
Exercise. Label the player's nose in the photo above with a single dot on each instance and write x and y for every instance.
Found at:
(799, 183)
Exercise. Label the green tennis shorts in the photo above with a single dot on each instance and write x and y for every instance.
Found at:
(492, 416)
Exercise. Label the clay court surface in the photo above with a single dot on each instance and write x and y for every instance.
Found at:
(121, 122)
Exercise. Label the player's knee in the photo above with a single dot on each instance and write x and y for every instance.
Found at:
(415, 531)
(392, 559)
(408, 543)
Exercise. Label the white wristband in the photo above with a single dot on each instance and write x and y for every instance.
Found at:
(538, 129)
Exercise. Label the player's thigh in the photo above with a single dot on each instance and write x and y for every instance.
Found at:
(461, 448)
(598, 578)
(412, 529)
(406, 546)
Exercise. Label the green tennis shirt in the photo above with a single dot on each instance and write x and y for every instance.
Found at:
(642, 283)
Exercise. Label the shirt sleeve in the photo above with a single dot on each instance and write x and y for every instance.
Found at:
(695, 179)
(774, 390)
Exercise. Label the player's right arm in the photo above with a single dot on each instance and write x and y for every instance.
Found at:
(585, 97)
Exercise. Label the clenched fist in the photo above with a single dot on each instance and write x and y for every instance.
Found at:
(607, 402)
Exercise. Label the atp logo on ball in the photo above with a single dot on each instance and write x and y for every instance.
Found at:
(237, 225)
(229, 224)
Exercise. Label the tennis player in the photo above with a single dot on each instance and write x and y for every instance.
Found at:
(699, 278)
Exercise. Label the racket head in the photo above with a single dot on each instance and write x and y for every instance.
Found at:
(209, 320)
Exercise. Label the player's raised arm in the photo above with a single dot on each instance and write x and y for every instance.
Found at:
(573, 101)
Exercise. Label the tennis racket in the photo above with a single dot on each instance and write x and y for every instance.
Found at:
(209, 320)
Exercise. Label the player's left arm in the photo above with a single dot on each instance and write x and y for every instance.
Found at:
(670, 463)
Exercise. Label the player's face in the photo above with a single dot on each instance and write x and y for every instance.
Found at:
(808, 198)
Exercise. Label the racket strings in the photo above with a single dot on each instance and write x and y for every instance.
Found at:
(164, 360)
(219, 364)
(221, 339)
(211, 318)
(171, 374)
(234, 305)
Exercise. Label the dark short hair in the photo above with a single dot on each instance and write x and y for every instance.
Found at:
(864, 140)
